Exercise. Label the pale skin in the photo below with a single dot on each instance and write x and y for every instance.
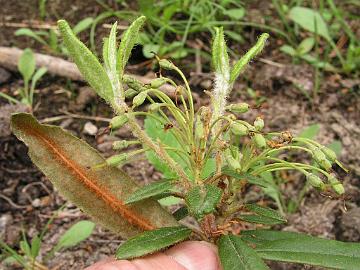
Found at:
(190, 255)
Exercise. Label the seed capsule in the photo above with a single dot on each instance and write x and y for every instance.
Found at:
(118, 121)
(330, 154)
(239, 129)
(336, 185)
(259, 140)
(139, 99)
(314, 180)
(157, 82)
(238, 108)
(259, 123)
(166, 64)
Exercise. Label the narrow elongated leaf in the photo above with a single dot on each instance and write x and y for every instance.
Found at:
(110, 60)
(202, 200)
(87, 63)
(235, 254)
(220, 58)
(255, 180)
(300, 248)
(75, 234)
(26, 64)
(30, 33)
(240, 65)
(150, 190)
(83, 25)
(310, 20)
(128, 41)
(264, 215)
(37, 76)
(152, 241)
(67, 161)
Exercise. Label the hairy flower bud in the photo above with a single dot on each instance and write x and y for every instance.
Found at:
(320, 158)
(259, 123)
(231, 161)
(314, 180)
(139, 99)
(130, 93)
(158, 82)
(239, 129)
(118, 121)
(336, 184)
(238, 108)
(259, 140)
(117, 159)
(154, 107)
(118, 145)
(330, 154)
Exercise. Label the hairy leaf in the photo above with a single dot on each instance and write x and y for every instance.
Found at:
(220, 58)
(235, 254)
(202, 200)
(87, 63)
(301, 248)
(150, 190)
(240, 65)
(67, 161)
(128, 41)
(152, 241)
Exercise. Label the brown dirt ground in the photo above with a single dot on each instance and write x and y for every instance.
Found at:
(27, 199)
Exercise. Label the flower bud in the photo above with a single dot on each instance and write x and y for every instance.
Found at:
(156, 83)
(259, 123)
(130, 93)
(118, 121)
(238, 108)
(154, 107)
(134, 83)
(166, 64)
(314, 180)
(259, 140)
(118, 145)
(139, 99)
(117, 159)
(325, 164)
(336, 185)
(320, 158)
(330, 154)
(239, 129)
(231, 161)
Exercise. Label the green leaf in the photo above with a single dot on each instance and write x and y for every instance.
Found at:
(306, 45)
(110, 60)
(128, 41)
(310, 132)
(69, 163)
(255, 180)
(220, 58)
(37, 76)
(87, 63)
(336, 146)
(288, 50)
(264, 215)
(150, 190)
(300, 248)
(235, 13)
(235, 254)
(149, 50)
(28, 32)
(202, 200)
(240, 65)
(83, 25)
(26, 65)
(152, 241)
(35, 246)
(307, 18)
(75, 234)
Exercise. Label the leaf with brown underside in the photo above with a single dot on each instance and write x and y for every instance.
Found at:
(66, 161)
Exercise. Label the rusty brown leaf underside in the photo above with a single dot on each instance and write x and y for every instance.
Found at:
(66, 160)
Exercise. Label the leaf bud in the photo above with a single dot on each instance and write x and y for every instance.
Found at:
(166, 64)
(314, 180)
(158, 82)
(336, 184)
(139, 99)
(239, 129)
(238, 108)
(259, 140)
(117, 159)
(259, 123)
(118, 121)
